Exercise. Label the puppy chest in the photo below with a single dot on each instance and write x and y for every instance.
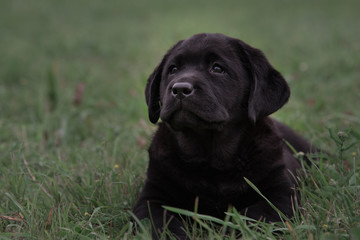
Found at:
(216, 187)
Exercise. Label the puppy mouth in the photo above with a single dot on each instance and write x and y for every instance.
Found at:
(180, 116)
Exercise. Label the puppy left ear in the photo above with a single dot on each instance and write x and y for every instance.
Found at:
(268, 89)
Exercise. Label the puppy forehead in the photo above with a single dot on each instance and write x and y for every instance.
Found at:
(205, 45)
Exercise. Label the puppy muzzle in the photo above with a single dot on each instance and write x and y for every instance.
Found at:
(181, 90)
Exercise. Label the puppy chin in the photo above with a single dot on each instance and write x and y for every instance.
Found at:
(185, 120)
(181, 120)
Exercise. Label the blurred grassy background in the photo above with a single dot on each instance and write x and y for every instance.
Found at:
(65, 152)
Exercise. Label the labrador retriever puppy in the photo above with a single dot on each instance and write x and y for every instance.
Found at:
(214, 94)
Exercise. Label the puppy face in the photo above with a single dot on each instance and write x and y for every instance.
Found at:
(210, 80)
(202, 86)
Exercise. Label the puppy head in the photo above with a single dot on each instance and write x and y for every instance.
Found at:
(209, 80)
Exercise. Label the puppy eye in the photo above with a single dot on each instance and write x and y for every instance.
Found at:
(173, 69)
(216, 68)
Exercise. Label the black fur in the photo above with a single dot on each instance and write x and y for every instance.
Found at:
(214, 94)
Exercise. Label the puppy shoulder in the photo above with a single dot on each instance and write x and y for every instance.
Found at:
(163, 144)
(163, 136)
(266, 130)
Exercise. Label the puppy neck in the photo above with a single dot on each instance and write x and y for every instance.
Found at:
(219, 148)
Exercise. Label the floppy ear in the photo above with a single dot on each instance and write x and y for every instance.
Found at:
(152, 92)
(268, 89)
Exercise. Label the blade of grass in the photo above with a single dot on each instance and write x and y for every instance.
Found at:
(282, 215)
(18, 205)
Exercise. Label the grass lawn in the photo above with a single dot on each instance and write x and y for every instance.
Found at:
(73, 119)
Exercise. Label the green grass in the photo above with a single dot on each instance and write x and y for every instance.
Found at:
(72, 171)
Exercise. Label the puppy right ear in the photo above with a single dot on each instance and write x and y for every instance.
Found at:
(152, 90)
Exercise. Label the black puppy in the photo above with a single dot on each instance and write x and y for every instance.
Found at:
(214, 94)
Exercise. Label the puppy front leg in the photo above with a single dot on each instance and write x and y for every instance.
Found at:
(262, 210)
(149, 205)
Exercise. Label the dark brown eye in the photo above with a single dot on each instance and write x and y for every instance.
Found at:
(173, 69)
(217, 69)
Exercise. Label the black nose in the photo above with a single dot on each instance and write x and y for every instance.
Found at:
(182, 90)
